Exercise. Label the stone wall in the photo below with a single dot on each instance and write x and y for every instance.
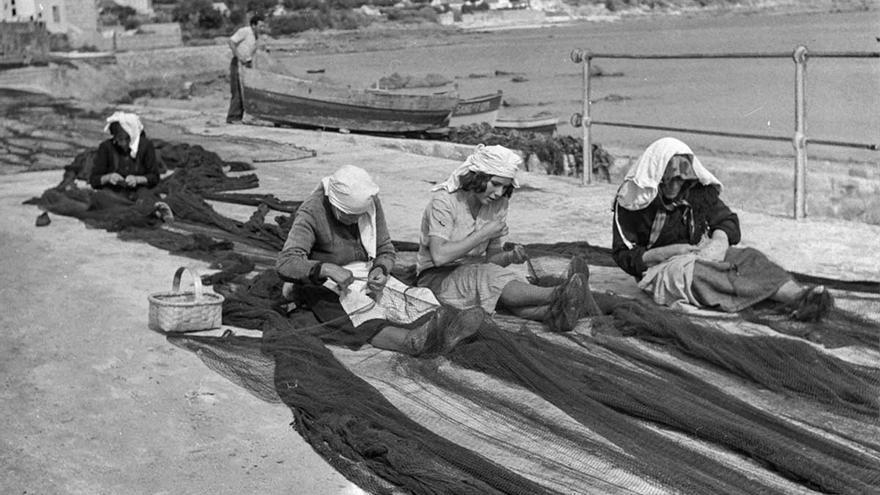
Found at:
(500, 18)
(23, 43)
(174, 62)
(147, 37)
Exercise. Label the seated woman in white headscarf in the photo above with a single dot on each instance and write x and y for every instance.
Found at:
(673, 233)
(126, 163)
(337, 231)
(460, 247)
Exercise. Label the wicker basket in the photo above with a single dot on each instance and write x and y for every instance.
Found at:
(177, 311)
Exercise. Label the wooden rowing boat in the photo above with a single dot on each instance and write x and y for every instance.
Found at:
(545, 125)
(476, 110)
(284, 99)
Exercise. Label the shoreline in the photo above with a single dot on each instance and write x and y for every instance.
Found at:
(374, 37)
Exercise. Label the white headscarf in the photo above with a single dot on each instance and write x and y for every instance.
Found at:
(493, 160)
(642, 180)
(131, 124)
(351, 190)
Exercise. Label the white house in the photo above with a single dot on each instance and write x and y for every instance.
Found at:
(77, 18)
(221, 7)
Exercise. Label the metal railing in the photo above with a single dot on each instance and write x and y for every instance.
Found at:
(799, 139)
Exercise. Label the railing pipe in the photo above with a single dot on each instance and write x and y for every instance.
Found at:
(678, 56)
(799, 140)
(787, 139)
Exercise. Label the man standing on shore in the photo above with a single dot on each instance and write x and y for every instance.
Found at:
(244, 46)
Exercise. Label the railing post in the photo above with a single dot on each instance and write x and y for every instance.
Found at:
(800, 137)
(583, 119)
(587, 177)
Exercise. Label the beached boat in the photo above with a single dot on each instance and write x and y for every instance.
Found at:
(284, 99)
(546, 125)
(476, 110)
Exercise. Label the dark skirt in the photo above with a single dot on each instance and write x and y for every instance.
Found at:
(336, 327)
(746, 277)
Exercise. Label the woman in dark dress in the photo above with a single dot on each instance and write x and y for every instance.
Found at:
(125, 163)
(673, 233)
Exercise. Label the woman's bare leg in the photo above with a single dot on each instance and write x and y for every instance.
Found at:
(535, 313)
(789, 292)
(444, 330)
(518, 294)
(394, 339)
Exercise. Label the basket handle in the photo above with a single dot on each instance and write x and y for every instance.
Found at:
(197, 281)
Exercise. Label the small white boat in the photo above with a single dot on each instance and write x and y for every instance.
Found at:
(544, 125)
(476, 110)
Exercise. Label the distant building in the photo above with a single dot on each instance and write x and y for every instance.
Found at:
(221, 7)
(140, 6)
(76, 18)
(498, 4)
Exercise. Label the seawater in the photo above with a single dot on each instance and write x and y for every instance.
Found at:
(754, 96)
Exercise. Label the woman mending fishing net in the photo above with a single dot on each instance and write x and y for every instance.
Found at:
(339, 257)
(673, 233)
(125, 165)
(460, 248)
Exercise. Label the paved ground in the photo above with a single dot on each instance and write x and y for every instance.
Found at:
(94, 402)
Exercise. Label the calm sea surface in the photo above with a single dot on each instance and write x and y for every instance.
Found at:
(753, 96)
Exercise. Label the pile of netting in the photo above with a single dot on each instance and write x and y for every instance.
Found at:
(639, 400)
(561, 154)
(644, 401)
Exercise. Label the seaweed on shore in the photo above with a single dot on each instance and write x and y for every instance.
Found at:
(561, 155)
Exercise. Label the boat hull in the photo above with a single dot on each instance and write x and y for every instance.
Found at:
(285, 99)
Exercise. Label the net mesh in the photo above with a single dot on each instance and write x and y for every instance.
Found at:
(640, 400)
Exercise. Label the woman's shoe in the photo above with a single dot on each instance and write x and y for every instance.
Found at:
(813, 305)
(463, 326)
(565, 307)
(163, 211)
(579, 265)
(444, 330)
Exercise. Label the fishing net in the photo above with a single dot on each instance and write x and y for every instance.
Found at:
(585, 412)
(638, 400)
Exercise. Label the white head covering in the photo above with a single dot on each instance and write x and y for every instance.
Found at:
(493, 160)
(131, 124)
(642, 180)
(351, 190)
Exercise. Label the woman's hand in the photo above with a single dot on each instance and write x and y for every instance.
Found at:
(376, 280)
(113, 179)
(135, 180)
(517, 255)
(493, 230)
(658, 255)
(714, 248)
(444, 251)
(342, 276)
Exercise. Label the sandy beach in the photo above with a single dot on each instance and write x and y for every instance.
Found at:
(94, 402)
